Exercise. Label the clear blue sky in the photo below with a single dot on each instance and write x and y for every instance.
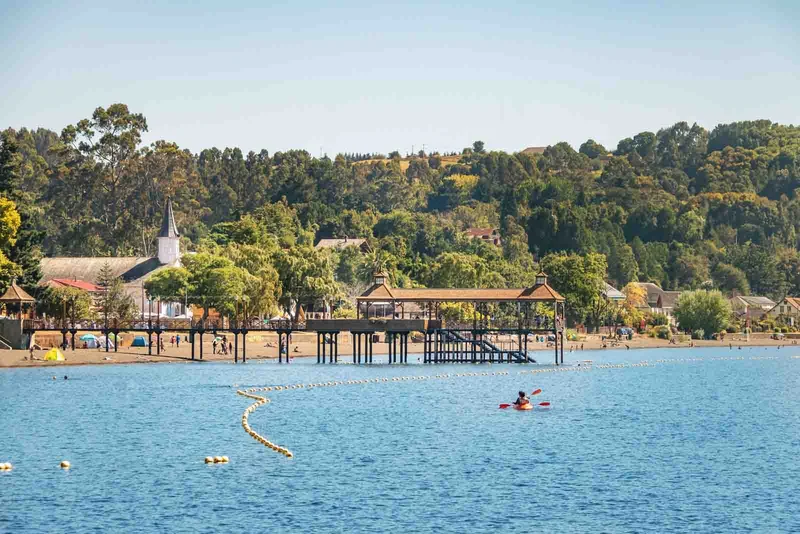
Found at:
(368, 76)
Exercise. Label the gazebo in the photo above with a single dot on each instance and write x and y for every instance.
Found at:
(429, 300)
(17, 296)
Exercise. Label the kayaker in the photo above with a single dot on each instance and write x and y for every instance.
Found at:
(522, 400)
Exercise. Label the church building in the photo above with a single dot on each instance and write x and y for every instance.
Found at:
(134, 271)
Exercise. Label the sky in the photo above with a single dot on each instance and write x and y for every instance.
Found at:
(375, 77)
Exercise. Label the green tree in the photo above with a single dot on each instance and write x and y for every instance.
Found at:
(262, 286)
(306, 276)
(104, 149)
(170, 284)
(453, 269)
(115, 303)
(214, 282)
(579, 279)
(730, 279)
(54, 301)
(703, 310)
(592, 149)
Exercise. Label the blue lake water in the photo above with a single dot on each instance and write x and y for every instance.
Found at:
(685, 446)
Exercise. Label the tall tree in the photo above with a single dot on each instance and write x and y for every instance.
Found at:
(103, 149)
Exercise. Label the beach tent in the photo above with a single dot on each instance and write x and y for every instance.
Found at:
(139, 341)
(54, 355)
(101, 342)
(115, 337)
(90, 340)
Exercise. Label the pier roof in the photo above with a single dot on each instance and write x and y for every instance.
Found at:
(537, 293)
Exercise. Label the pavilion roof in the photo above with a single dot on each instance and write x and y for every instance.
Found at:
(14, 293)
(538, 293)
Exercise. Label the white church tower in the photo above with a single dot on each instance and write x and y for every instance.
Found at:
(169, 249)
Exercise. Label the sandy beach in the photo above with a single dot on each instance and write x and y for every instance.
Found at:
(265, 346)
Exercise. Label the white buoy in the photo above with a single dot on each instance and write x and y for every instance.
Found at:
(65, 464)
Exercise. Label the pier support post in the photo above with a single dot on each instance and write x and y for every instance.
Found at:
(562, 347)
(236, 345)
(244, 345)
(200, 341)
(191, 340)
(150, 342)
(555, 343)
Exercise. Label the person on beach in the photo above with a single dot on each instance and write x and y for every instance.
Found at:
(171, 341)
(162, 345)
(214, 346)
(522, 400)
(178, 341)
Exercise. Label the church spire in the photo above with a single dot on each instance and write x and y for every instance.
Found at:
(168, 227)
(169, 248)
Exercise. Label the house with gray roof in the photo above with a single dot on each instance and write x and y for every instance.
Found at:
(612, 294)
(751, 306)
(133, 270)
(659, 300)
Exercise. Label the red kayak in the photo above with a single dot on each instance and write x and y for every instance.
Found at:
(523, 407)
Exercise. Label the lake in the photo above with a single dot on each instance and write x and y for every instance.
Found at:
(708, 445)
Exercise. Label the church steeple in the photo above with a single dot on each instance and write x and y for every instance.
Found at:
(168, 228)
(169, 251)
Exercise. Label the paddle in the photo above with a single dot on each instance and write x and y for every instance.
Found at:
(536, 392)
(543, 404)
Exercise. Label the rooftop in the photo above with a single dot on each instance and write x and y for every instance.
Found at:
(78, 284)
(480, 232)
(612, 293)
(756, 301)
(340, 243)
(384, 293)
(168, 227)
(14, 293)
(130, 269)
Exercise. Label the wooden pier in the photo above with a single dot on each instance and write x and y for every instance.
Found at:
(509, 314)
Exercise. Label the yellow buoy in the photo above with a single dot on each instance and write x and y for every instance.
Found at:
(225, 460)
(209, 460)
(65, 464)
(217, 459)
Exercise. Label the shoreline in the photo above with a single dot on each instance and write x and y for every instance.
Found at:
(305, 348)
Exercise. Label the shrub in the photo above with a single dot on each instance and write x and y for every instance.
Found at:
(732, 329)
(344, 313)
(662, 332)
(698, 334)
(659, 319)
(702, 310)
(683, 338)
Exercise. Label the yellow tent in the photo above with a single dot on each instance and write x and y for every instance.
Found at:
(54, 355)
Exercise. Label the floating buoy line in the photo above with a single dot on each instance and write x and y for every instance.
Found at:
(261, 400)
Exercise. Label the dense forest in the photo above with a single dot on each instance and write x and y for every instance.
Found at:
(683, 207)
